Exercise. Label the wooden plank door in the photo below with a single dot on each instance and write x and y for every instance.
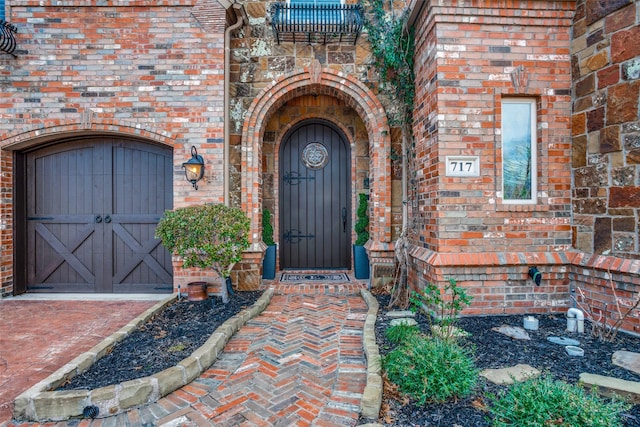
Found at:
(64, 236)
(92, 208)
(315, 179)
(141, 193)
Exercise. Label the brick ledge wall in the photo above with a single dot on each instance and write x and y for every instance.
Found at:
(500, 285)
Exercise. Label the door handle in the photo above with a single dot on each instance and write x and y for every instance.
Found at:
(344, 220)
(107, 219)
(98, 219)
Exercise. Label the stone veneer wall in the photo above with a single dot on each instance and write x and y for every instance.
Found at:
(466, 56)
(257, 61)
(320, 106)
(606, 128)
(149, 69)
(605, 64)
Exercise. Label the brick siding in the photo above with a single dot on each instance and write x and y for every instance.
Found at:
(461, 228)
(140, 68)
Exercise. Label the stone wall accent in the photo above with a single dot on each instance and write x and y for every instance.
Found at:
(606, 127)
(258, 61)
(352, 92)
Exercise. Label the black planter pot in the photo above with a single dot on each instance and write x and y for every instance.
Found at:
(360, 262)
(269, 263)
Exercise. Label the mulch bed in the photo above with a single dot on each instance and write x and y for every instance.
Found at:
(494, 350)
(162, 342)
(182, 327)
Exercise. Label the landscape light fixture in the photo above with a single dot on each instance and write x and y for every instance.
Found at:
(194, 168)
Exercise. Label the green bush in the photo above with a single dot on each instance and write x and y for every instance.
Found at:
(401, 333)
(362, 223)
(546, 402)
(445, 306)
(267, 228)
(431, 369)
(206, 236)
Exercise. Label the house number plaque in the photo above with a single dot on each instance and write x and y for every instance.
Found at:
(463, 166)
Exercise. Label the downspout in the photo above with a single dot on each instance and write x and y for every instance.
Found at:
(241, 15)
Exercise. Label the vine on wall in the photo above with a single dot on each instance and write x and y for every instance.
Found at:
(392, 47)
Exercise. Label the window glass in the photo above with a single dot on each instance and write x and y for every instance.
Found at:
(519, 150)
(2, 9)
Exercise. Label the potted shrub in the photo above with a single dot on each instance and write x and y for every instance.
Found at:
(269, 262)
(206, 236)
(360, 258)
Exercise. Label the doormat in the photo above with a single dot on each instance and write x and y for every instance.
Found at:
(330, 277)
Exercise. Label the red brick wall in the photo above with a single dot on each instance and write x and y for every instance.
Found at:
(143, 68)
(610, 286)
(465, 57)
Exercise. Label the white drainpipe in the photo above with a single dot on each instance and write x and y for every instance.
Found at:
(574, 316)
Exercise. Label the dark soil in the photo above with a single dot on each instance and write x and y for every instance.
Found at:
(162, 342)
(182, 327)
(494, 350)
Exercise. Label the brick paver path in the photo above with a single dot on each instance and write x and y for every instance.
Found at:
(299, 363)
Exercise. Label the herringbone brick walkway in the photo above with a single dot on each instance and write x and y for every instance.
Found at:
(299, 363)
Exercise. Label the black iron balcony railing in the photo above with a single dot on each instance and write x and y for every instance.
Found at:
(316, 23)
(7, 39)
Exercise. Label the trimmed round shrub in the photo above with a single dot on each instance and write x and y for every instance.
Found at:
(547, 402)
(431, 369)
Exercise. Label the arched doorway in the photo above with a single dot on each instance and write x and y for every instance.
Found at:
(315, 197)
(90, 208)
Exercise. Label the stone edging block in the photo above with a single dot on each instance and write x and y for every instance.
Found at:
(372, 396)
(39, 403)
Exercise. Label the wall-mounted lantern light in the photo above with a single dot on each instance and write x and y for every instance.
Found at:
(194, 168)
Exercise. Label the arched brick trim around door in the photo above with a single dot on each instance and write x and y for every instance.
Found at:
(29, 136)
(320, 81)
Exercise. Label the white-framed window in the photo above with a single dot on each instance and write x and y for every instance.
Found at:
(519, 153)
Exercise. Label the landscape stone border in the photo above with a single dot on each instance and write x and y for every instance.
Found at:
(39, 403)
(372, 396)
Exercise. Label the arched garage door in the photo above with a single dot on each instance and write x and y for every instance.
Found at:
(92, 206)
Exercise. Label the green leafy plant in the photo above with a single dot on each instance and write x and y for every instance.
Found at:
(267, 228)
(445, 306)
(392, 47)
(401, 333)
(362, 222)
(206, 236)
(545, 402)
(431, 369)
(392, 44)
